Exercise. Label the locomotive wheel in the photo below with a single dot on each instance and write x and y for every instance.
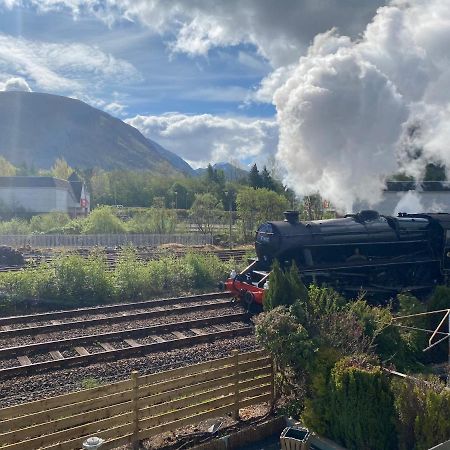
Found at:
(249, 297)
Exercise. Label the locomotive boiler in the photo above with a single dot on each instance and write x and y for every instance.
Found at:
(365, 251)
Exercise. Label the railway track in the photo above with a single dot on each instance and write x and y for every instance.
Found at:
(32, 259)
(46, 353)
(116, 312)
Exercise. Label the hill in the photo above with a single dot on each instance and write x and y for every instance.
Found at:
(37, 128)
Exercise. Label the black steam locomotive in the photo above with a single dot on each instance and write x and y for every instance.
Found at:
(365, 251)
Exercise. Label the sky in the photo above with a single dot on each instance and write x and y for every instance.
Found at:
(336, 93)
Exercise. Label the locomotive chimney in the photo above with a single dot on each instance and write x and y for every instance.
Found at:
(291, 216)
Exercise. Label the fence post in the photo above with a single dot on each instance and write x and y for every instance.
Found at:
(235, 354)
(272, 385)
(134, 399)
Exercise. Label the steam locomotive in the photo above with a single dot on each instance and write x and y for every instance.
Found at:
(365, 251)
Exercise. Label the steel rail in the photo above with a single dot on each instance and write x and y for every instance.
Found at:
(126, 352)
(55, 315)
(104, 337)
(42, 329)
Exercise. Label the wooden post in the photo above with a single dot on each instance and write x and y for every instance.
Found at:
(236, 384)
(134, 399)
(272, 386)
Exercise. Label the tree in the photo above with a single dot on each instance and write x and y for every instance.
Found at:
(434, 172)
(6, 168)
(312, 207)
(61, 169)
(255, 206)
(254, 178)
(204, 212)
(102, 220)
(266, 180)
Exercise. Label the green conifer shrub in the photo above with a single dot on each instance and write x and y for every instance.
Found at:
(423, 413)
(362, 415)
(285, 287)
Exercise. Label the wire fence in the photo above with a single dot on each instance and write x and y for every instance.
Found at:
(104, 240)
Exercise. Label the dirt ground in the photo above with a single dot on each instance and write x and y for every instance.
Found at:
(187, 437)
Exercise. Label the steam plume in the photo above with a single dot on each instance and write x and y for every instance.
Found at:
(347, 109)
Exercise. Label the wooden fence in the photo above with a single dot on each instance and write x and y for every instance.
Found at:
(144, 406)
(104, 240)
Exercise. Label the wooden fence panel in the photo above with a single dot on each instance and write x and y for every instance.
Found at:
(48, 415)
(65, 399)
(132, 410)
(208, 384)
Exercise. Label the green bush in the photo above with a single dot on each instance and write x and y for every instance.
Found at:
(423, 413)
(286, 340)
(391, 344)
(102, 220)
(154, 220)
(130, 278)
(361, 404)
(438, 301)
(82, 281)
(317, 413)
(75, 226)
(284, 287)
(48, 223)
(15, 226)
(292, 349)
(73, 280)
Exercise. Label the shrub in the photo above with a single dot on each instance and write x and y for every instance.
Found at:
(15, 226)
(423, 413)
(154, 220)
(284, 287)
(82, 281)
(439, 300)
(285, 339)
(288, 343)
(361, 407)
(47, 223)
(130, 278)
(75, 226)
(102, 221)
(388, 340)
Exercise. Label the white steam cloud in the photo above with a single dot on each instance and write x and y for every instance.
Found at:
(347, 110)
(409, 203)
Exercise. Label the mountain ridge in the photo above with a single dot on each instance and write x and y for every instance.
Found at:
(37, 128)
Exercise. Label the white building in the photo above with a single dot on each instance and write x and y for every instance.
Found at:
(36, 195)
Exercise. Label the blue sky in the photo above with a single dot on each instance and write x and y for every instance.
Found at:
(197, 76)
(216, 83)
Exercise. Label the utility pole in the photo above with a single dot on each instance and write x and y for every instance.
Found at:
(230, 206)
(231, 221)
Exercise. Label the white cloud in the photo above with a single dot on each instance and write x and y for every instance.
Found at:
(206, 138)
(61, 67)
(280, 31)
(15, 84)
(115, 108)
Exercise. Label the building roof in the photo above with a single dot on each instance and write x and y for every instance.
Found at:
(33, 182)
(77, 187)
